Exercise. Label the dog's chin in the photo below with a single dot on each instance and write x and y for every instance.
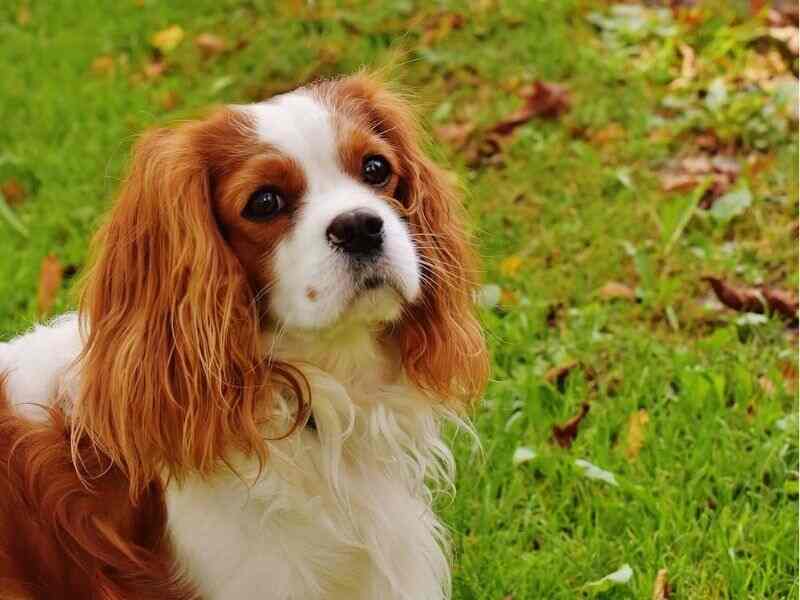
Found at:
(371, 302)
(375, 300)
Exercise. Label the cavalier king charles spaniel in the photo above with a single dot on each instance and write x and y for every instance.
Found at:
(277, 319)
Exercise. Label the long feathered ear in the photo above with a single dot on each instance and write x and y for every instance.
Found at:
(171, 369)
(442, 345)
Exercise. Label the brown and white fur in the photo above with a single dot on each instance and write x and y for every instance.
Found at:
(240, 409)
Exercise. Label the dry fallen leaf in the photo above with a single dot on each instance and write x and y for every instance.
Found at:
(167, 39)
(565, 434)
(557, 375)
(615, 290)
(541, 99)
(636, 426)
(671, 182)
(661, 587)
(50, 277)
(781, 302)
(13, 191)
(210, 44)
(740, 299)
(691, 171)
(764, 299)
(789, 374)
(688, 67)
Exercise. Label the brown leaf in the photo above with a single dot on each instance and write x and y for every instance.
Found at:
(50, 277)
(690, 171)
(764, 299)
(615, 290)
(720, 184)
(558, 374)
(740, 299)
(671, 182)
(103, 65)
(688, 67)
(782, 302)
(542, 99)
(210, 44)
(455, 134)
(707, 141)
(13, 191)
(565, 434)
(661, 587)
(636, 426)
(789, 374)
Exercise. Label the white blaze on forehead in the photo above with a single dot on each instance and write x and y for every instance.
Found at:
(300, 126)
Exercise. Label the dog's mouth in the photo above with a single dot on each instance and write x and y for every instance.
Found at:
(375, 281)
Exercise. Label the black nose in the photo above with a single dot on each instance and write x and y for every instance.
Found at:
(357, 232)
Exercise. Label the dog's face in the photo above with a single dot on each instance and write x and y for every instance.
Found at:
(314, 210)
(315, 214)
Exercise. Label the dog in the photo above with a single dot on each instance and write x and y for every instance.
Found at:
(276, 320)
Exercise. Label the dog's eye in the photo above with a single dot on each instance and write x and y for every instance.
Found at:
(376, 170)
(264, 204)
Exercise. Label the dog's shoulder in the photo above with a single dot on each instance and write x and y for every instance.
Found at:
(36, 364)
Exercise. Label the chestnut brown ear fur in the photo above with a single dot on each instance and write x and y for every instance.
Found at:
(441, 342)
(172, 372)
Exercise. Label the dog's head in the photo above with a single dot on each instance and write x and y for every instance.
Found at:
(312, 211)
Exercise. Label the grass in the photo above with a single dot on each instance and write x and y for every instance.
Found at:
(567, 206)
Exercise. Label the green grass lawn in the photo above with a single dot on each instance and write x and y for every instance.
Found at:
(561, 208)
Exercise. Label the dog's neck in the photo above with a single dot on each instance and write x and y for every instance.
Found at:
(356, 356)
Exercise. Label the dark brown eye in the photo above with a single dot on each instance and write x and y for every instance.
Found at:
(264, 204)
(376, 170)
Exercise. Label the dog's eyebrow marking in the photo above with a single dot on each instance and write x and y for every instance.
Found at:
(301, 127)
(312, 293)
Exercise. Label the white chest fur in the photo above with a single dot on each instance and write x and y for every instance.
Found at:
(343, 512)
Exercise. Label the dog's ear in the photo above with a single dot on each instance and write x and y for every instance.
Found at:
(442, 345)
(171, 369)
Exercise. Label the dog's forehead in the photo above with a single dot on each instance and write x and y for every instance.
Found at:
(299, 125)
